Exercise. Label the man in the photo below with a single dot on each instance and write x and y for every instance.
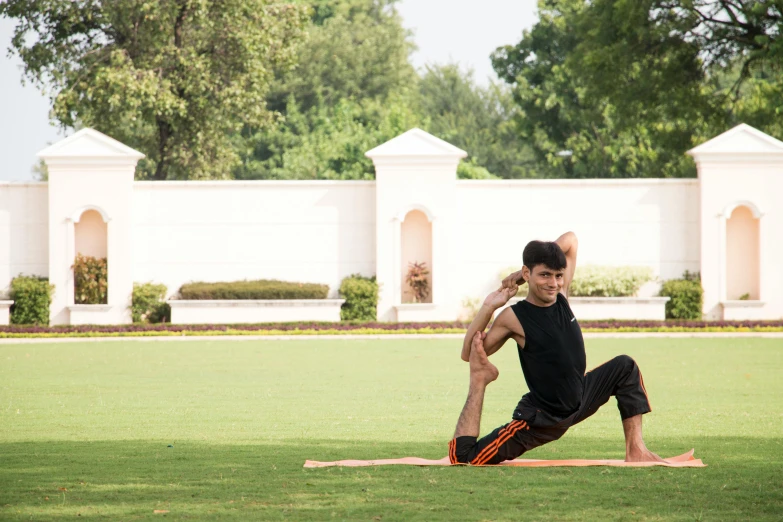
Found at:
(552, 355)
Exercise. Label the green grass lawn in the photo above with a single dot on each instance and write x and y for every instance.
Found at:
(86, 430)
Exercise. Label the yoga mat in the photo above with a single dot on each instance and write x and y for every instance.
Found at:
(686, 460)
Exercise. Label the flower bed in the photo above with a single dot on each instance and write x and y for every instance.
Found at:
(321, 328)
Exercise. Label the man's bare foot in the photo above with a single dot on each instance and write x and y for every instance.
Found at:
(641, 454)
(482, 372)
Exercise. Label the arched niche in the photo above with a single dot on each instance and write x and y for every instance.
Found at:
(415, 247)
(90, 232)
(742, 252)
(88, 236)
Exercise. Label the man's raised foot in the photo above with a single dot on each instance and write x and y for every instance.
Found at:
(482, 372)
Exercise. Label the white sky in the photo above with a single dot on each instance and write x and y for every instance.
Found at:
(445, 31)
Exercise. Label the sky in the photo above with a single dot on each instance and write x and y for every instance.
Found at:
(445, 31)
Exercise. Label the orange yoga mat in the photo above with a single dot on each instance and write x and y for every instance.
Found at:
(686, 460)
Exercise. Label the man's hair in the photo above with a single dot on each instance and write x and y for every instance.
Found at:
(546, 253)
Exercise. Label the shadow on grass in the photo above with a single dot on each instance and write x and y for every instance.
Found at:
(132, 479)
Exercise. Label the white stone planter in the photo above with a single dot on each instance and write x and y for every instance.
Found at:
(416, 312)
(233, 311)
(649, 308)
(742, 310)
(5, 312)
(92, 314)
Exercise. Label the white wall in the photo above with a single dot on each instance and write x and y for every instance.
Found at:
(319, 231)
(24, 246)
(323, 231)
(649, 222)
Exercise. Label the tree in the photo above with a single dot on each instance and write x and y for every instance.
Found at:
(356, 49)
(679, 55)
(350, 91)
(172, 78)
(326, 142)
(576, 130)
(476, 119)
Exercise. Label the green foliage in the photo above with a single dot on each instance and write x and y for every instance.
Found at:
(575, 131)
(609, 281)
(471, 170)
(148, 305)
(614, 88)
(349, 93)
(90, 280)
(260, 289)
(326, 142)
(476, 119)
(170, 78)
(355, 50)
(32, 296)
(687, 297)
(361, 298)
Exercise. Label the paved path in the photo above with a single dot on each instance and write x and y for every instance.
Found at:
(588, 335)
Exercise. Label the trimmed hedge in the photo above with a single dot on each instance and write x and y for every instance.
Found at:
(600, 281)
(147, 305)
(260, 289)
(361, 298)
(609, 281)
(32, 296)
(687, 297)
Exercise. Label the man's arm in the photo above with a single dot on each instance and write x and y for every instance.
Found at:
(495, 300)
(505, 327)
(568, 244)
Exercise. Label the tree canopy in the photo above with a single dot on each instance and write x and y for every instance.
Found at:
(611, 88)
(172, 78)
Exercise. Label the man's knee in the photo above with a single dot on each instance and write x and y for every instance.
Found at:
(461, 448)
(625, 362)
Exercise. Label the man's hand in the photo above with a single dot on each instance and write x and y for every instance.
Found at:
(513, 280)
(495, 300)
(500, 297)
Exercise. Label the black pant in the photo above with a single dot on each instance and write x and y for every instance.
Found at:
(533, 427)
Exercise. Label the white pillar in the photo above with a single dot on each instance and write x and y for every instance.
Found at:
(742, 166)
(416, 171)
(90, 171)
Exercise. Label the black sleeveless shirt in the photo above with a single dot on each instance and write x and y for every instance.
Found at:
(553, 359)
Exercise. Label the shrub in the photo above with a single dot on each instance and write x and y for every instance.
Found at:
(361, 298)
(32, 296)
(472, 170)
(90, 280)
(147, 304)
(261, 289)
(687, 297)
(609, 281)
(417, 280)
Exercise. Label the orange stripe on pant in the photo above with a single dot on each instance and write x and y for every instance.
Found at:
(492, 449)
(499, 442)
(495, 446)
(641, 380)
(501, 434)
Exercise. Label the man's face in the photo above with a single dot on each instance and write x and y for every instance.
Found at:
(545, 283)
